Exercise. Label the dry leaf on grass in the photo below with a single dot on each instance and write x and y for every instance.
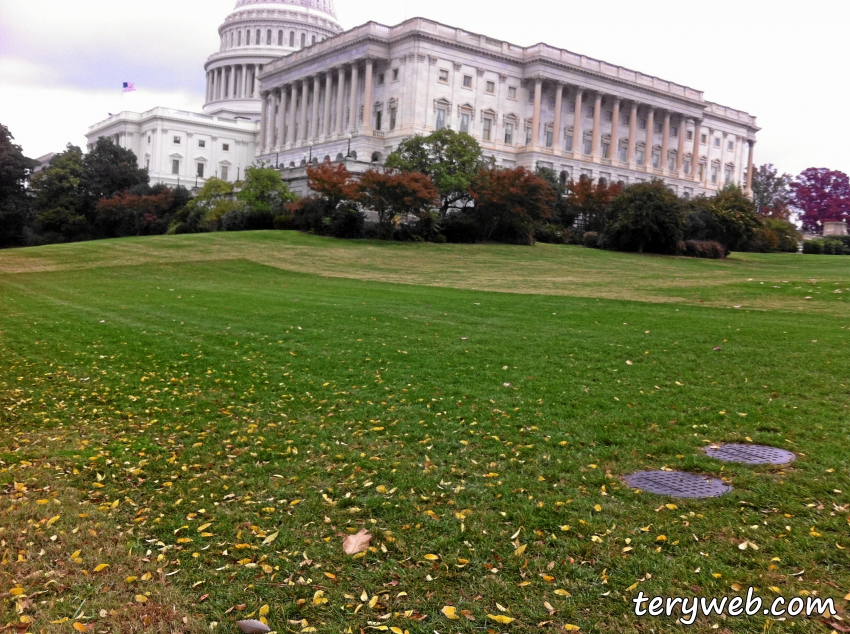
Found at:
(253, 627)
(354, 544)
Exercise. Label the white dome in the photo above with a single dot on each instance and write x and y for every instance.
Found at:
(324, 6)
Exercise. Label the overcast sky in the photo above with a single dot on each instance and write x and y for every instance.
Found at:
(62, 62)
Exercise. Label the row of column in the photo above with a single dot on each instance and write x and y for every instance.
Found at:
(237, 81)
(578, 136)
(291, 101)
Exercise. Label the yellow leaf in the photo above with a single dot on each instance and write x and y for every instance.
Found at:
(565, 527)
(661, 538)
(736, 587)
(716, 575)
(319, 598)
(569, 627)
(847, 598)
(271, 538)
(15, 592)
(330, 575)
(597, 508)
(140, 598)
(450, 612)
(100, 567)
(53, 520)
(519, 551)
(146, 577)
(500, 618)
(672, 507)
(373, 601)
(64, 619)
(381, 488)
(204, 527)
(396, 630)
(79, 626)
(562, 593)
(632, 587)
(75, 554)
(775, 589)
(131, 579)
(264, 610)
(430, 557)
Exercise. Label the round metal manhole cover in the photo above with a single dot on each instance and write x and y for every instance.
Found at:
(750, 454)
(678, 484)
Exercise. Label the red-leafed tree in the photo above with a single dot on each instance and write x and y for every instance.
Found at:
(333, 183)
(821, 195)
(509, 202)
(392, 194)
(128, 215)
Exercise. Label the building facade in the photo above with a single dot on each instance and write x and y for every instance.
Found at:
(185, 148)
(359, 94)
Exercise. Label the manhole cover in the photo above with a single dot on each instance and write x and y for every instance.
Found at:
(677, 483)
(750, 454)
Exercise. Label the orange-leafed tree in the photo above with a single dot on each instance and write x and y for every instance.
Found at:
(393, 194)
(510, 202)
(589, 200)
(333, 184)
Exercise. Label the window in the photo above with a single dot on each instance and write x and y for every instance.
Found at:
(239, 39)
(606, 148)
(279, 41)
(303, 40)
(609, 115)
(441, 118)
(224, 172)
(313, 40)
(715, 169)
(149, 140)
(659, 128)
(380, 79)
(292, 39)
(656, 158)
(393, 113)
(379, 115)
(588, 144)
(200, 170)
(528, 135)
(464, 122)
(202, 143)
(175, 166)
(623, 152)
(731, 146)
(572, 107)
(225, 147)
(259, 38)
(395, 74)
(674, 131)
(444, 75)
(717, 142)
(467, 81)
(640, 155)
(511, 92)
(569, 140)
(491, 87)
(487, 131)
(147, 163)
(269, 37)
(642, 124)
(687, 166)
(703, 138)
(588, 112)
(727, 176)
(701, 171)
(509, 133)
(690, 135)
(177, 140)
(671, 162)
(248, 38)
(624, 119)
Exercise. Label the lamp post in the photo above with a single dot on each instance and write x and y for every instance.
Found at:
(348, 153)
(310, 160)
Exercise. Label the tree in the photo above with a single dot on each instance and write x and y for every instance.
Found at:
(205, 211)
(771, 192)
(451, 159)
(333, 184)
(509, 202)
(589, 201)
(263, 191)
(15, 170)
(645, 217)
(560, 208)
(729, 217)
(61, 204)
(392, 195)
(127, 214)
(110, 169)
(821, 195)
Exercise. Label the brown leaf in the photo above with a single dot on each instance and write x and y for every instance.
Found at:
(253, 627)
(354, 544)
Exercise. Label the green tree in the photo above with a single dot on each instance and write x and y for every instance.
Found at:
(451, 159)
(729, 217)
(110, 169)
(772, 192)
(645, 217)
(263, 191)
(15, 208)
(205, 211)
(61, 204)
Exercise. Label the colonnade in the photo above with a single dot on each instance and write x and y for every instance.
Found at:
(234, 81)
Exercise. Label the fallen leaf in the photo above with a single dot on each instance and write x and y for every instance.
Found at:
(271, 538)
(79, 626)
(500, 618)
(562, 593)
(569, 627)
(101, 567)
(353, 544)
(253, 627)
(519, 551)
(450, 612)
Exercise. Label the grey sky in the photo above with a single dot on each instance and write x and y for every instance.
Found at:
(62, 63)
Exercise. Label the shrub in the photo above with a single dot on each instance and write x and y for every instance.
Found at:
(704, 249)
(645, 217)
(244, 218)
(459, 228)
(550, 234)
(346, 222)
(308, 214)
(284, 222)
(729, 218)
(813, 247)
(590, 239)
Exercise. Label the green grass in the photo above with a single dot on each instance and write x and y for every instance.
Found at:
(151, 386)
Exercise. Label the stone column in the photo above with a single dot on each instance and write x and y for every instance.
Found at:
(665, 141)
(270, 122)
(263, 125)
(353, 103)
(578, 141)
(597, 127)
(367, 98)
(708, 160)
(302, 121)
(232, 82)
(293, 107)
(680, 152)
(752, 146)
(535, 119)
(314, 114)
(632, 135)
(340, 101)
(650, 136)
(281, 119)
(695, 154)
(244, 91)
(557, 132)
(326, 114)
(614, 152)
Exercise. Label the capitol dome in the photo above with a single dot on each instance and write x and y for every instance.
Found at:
(255, 34)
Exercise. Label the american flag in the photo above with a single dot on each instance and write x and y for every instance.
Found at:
(129, 86)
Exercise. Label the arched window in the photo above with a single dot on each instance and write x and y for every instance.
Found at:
(259, 39)
(564, 177)
(292, 39)
(269, 37)
(314, 40)
(247, 38)
(280, 38)
(303, 40)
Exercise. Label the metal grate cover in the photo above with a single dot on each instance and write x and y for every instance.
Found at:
(678, 484)
(750, 454)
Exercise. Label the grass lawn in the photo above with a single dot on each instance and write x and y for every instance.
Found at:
(190, 424)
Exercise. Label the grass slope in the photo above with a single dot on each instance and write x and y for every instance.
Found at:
(209, 421)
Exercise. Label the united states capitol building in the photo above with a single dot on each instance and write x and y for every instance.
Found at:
(290, 87)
